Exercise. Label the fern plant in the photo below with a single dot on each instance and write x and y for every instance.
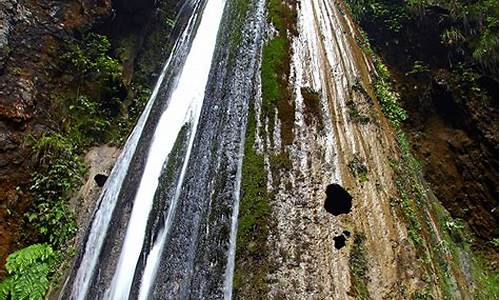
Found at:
(28, 271)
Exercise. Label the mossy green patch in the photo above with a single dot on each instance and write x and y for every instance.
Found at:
(253, 222)
(274, 54)
(358, 266)
(275, 93)
(252, 264)
(275, 70)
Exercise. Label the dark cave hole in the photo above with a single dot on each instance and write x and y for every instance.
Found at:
(339, 241)
(346, 233)
(100, 179)
(338, 200)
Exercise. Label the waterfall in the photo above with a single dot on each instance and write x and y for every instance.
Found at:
(108, 198)
(185, 105)
(228, 280)
(166, 223)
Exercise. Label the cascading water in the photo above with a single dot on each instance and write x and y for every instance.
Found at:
(187, 148)
(166, 224)
(107, 201)
(185, 106)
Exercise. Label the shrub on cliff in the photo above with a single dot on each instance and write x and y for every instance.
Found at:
(59, 174)
(470, 29)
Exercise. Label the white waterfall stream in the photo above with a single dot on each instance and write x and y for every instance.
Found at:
(184, 106)
(109, 196)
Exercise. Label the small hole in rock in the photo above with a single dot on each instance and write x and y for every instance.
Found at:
(339, 241)
(338, 200)
(346, 233)
(100, 179)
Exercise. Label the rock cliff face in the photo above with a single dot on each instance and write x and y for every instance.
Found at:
(396, 241)
(31, 36)
(33, 40)
(453, 107)
(333, 203)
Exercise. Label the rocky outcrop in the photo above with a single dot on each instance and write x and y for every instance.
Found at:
(31, 35)
(394, 240)
(453, 116)
(33, 40)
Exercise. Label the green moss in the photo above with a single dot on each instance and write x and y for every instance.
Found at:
(275, 93)
(421, 295)
(358, 266)
(282, 15)
(276, 69)
(175, 154)
(253, 221)
(280, 161)
(252, 265)
(274, 54)
(486, 280)
(239, 10)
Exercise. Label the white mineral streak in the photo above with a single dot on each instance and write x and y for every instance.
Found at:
(259, 143)
(277, 133)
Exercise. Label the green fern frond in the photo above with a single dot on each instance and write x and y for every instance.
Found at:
(5, 287)
(24, 259)
(32, 285)
(28, 270)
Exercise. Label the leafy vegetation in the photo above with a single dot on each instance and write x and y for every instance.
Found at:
(58, 152)
(91, 111)
(387, 96)
(59, 174)
(93, 99)
(89, 58)
(441, 254)
(467, 27)
(419, 67)
(28, 271)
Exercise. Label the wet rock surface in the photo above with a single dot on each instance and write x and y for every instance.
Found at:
(379, 261)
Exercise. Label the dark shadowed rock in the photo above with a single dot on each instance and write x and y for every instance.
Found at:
(338, 200)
